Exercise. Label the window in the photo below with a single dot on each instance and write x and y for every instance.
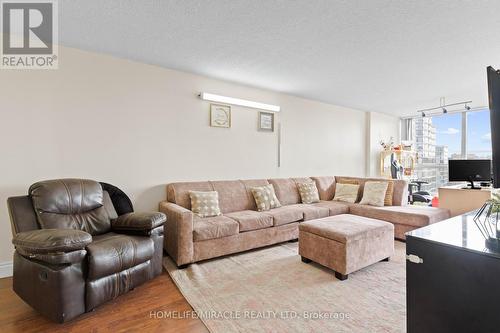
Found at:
(478, 135)
(437, 139)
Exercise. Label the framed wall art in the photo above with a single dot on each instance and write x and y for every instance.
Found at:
(220, 115)
(266, 121)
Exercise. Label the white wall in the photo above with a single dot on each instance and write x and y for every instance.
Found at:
(379, 127)
(139, 127)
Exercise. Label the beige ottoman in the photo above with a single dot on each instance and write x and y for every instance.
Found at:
(346, 243)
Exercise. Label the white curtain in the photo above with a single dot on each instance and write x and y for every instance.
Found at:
(407, 129)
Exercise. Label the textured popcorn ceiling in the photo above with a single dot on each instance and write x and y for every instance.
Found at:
(386, 56)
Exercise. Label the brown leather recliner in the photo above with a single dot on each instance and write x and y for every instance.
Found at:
(74, 253)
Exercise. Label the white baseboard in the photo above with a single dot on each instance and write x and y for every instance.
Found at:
(5, 269)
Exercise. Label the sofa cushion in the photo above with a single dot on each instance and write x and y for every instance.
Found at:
(178, 193)
(334, 207)
(233, 195)
(66, 196)
(312, 212)
(71, 204)
(286, 190)
(417, 216)
(214, 227)
(400, 193)
(112, 253)
(285, 214)
(251, 220)
(249, 183)
(326, 187)
(346, 228)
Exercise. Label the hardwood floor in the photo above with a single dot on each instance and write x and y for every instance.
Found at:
(127, 313)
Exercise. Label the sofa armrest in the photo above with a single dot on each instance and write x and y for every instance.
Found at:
(138, 222)
(52, 240)
(56, 258)
(178, 241)
(53, 246)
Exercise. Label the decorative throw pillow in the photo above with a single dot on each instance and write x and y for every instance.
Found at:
(389, 194)
(308, 192)
(374, 193)
(348, 181)
(205, 204)
(346, 192)
(265, 198)
(351, 182)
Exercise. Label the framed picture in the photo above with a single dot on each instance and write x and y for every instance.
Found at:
(266, 121)
(220, 115)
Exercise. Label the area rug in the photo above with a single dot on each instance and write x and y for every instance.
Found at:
(272, 290)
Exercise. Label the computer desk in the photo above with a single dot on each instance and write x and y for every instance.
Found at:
(460, 201)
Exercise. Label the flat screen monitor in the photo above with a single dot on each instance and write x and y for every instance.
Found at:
(469, 170)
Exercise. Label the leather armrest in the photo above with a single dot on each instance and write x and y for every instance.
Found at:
(45, 241)
(138, 222)
(56, 258)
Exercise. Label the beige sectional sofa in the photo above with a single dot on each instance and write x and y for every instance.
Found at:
(189, 238)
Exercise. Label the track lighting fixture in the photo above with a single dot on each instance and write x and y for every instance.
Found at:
(444, 108)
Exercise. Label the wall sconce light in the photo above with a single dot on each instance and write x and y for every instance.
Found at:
(237, 101)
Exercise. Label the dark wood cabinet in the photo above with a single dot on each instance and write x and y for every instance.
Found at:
(453, 279)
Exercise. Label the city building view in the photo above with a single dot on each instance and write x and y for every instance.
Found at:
(432, 160)
(438, 139)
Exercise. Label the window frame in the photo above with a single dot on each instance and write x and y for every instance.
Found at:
(407, 129)
(464, 123)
